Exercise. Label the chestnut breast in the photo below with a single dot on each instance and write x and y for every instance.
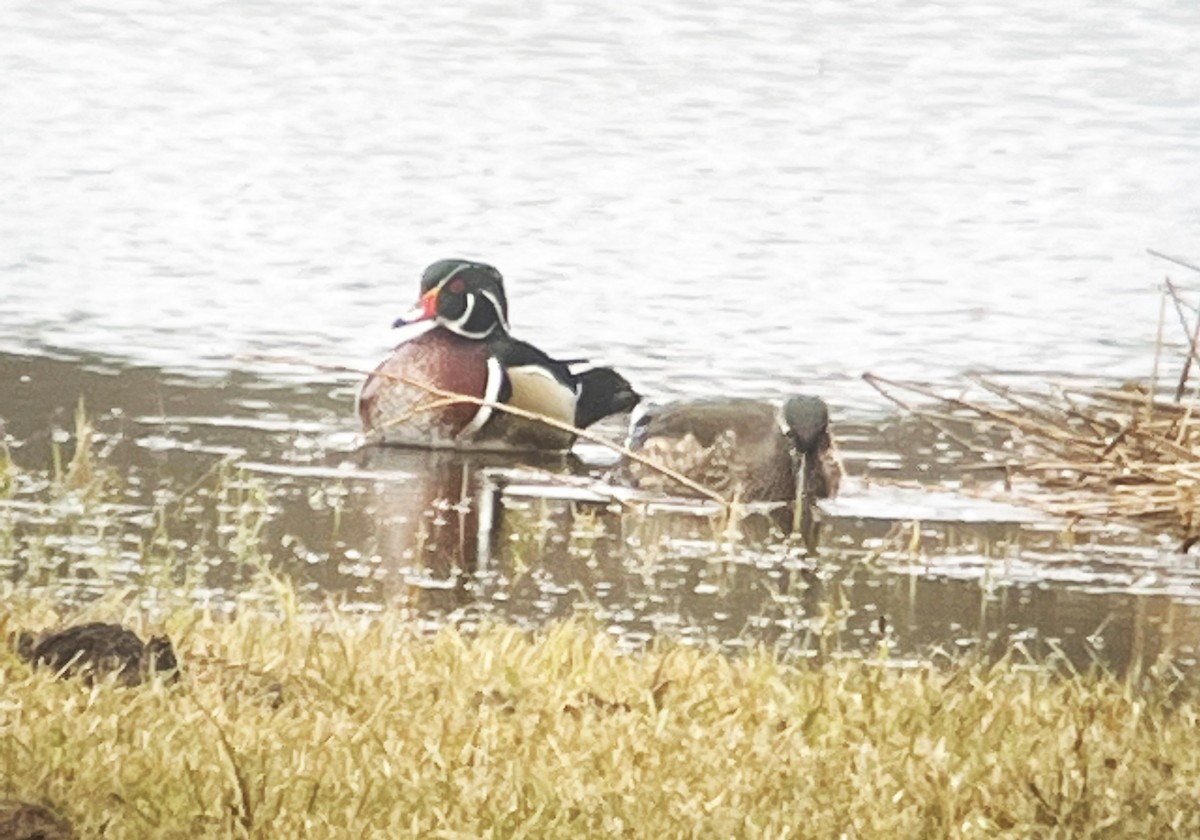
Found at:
(393, 404)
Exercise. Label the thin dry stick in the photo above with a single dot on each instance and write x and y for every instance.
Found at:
(422, 407)
(1087, 414)
(1061, 420)
(450, 398)
(1126, 461)
(1052, 437)
(1056, 434)
(878, 382)
(1175, 260)
(1158, 344)
(1184, 425)
(1105, 439)
(1131, 398)
(1150, 435)
(1023, 401)
(1193, 334)
(1118, 438)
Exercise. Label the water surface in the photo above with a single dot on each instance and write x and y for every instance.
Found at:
(198, 470)
(719, 199)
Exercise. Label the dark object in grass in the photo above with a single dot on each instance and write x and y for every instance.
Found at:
(26, 821)
(93, 651)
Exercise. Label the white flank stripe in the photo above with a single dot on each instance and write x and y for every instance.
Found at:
(781, 422)
(640, 414)
(495, 379)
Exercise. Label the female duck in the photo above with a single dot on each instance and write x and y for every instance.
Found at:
(745, 448)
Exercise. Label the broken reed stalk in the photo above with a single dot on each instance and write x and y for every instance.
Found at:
(1158, 345)
(446, 398)
(1193, 334)
(1107, 453)
(1126, 454)
(1176, 260)
(941, 424)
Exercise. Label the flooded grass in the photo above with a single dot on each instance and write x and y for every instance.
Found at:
(80, 528)
(377, 644)
(287, 724)
(655, 678)
(171, 512)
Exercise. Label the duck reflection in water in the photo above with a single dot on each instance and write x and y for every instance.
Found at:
(743, 449)
(432, 525)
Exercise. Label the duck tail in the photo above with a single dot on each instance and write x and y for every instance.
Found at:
(602, 393)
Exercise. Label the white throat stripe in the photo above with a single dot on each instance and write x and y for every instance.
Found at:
(458, 323)
(496, 306)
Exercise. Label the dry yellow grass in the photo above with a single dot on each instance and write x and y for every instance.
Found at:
(285, 726)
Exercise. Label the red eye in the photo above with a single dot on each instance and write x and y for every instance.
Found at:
(456, 286)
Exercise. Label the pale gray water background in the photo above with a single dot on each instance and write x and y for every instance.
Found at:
(717, 197)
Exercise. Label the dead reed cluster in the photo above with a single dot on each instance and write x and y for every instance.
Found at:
(1127, 453)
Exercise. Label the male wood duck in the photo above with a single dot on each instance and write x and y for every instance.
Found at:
(747, 448)
(458, 341)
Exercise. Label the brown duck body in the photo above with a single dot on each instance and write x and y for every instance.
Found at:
(748, 448)
(395, 407)
(95, 650)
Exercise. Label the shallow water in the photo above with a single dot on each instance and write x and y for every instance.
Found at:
(204, 464)
(717, 199)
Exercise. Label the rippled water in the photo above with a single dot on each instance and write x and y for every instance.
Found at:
(742, 199)
(719, 198)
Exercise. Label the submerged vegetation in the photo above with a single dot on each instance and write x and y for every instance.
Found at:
(290, 718)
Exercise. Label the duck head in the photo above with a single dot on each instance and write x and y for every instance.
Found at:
(602, 391)
(807, 422)
(466, 298)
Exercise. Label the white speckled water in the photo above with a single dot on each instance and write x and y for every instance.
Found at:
(719, 198)
(744, 199)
